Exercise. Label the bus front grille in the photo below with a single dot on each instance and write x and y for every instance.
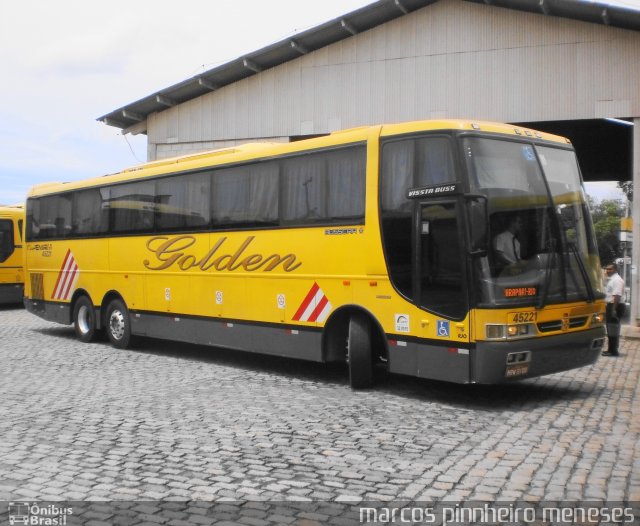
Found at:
(557, 325)
(574, 323)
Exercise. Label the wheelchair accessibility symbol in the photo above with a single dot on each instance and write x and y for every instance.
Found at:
(442, 328)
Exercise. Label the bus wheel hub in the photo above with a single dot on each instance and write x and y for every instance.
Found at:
(116, 324)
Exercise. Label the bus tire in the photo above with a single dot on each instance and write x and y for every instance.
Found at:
(84, 319)
(118, 324)
(359, 352)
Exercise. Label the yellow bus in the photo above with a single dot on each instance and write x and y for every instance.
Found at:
(11, 272)
(375, 246)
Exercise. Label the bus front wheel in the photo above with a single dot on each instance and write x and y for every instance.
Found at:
(118, 324)
(84, 319)
(359, 352)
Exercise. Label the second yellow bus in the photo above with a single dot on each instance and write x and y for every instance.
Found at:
(11, 271)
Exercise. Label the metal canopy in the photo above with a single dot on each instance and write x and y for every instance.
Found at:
(595, 12)
(338, 29)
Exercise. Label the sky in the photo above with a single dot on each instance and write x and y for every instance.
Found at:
(66, 63)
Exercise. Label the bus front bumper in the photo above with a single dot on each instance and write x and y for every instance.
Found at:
(497, 362)
(11, 293)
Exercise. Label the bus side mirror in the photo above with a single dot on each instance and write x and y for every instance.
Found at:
(477, 207)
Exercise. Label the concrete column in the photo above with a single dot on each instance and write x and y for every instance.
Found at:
(152, 151)
(635, 251)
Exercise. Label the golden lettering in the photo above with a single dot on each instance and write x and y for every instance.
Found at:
(288, 262)
(170, 252)
(187, 262)
(232, 259)
(204, 264)
(252, 262)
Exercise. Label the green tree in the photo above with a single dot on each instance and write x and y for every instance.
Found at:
(627, 188)
(606, 216)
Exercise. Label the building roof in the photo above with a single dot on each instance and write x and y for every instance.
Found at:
(320, 36)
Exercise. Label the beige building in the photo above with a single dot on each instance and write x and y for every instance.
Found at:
(563, 66)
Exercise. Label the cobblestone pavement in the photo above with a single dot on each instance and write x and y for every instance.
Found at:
(169, 422)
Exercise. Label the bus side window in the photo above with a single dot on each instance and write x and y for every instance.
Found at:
(397, 176)
(54, 217)
(245, 196)
(132, 207)
(405, 164)
(324, 187)
(183, 202)
(88, 212)
(6, 239)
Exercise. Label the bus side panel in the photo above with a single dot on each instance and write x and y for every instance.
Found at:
(124, 273)
(92, 260)
(264, 339)
(425, 360)
(420, 343)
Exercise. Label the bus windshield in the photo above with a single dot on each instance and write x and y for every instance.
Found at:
(542, 247)
(6, 239)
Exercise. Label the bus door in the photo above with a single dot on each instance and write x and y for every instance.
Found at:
(439, 259)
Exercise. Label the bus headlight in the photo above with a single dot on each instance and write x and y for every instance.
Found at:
(495, 332)
(597, 319)
(514, 331)
(506, 332)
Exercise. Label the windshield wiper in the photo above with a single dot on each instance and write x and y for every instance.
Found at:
(547, 275)
(583, 272)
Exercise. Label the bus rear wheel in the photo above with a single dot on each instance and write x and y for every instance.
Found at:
(359, 352)
(118, 324)
(84, 319)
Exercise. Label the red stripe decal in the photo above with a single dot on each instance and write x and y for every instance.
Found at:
(319, 308)
(64, 264)
(65, 278)
(72, 275)
(306, 302)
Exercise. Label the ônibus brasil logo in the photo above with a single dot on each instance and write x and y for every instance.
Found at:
(38, 514)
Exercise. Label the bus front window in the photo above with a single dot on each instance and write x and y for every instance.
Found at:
(541, 247)
(6, 239)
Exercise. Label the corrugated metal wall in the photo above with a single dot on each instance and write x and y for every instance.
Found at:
(450, 59)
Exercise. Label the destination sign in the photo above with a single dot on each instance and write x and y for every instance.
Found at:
(520, 292)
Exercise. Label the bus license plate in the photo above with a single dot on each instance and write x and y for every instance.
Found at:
(518, 369)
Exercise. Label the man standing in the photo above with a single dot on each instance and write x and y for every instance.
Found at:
(615, 308)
